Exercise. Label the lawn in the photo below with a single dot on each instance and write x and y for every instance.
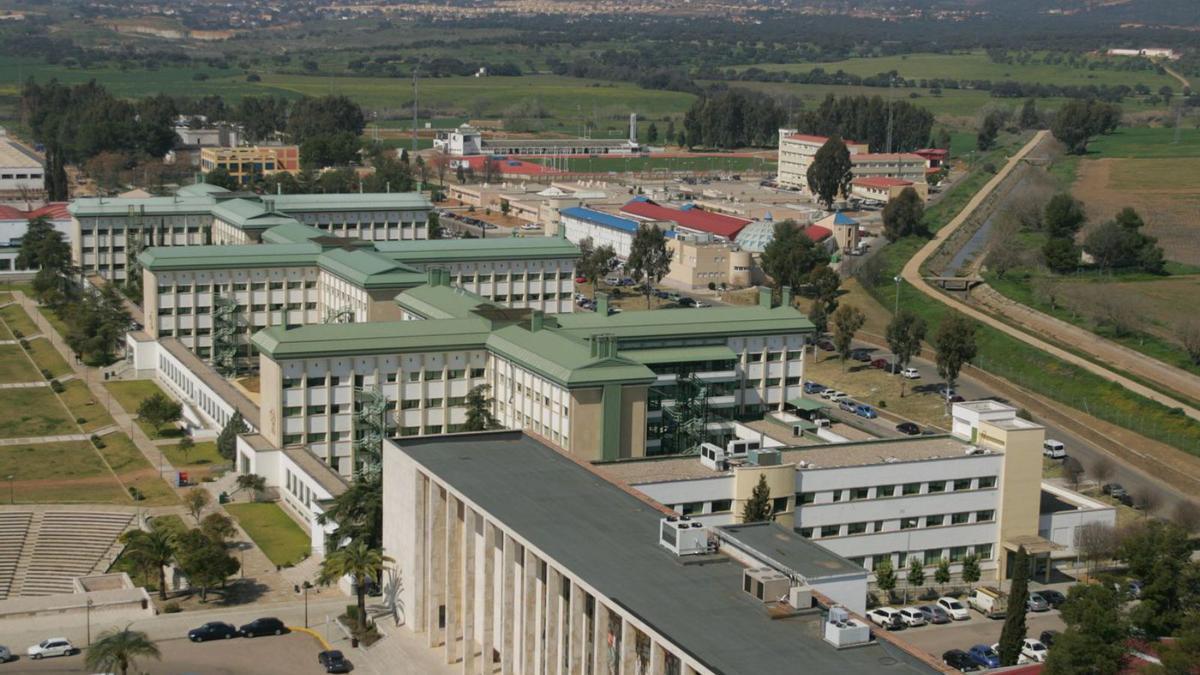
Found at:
(84, 405)
(47, 357)
(18, 320)
(15, 366)
(873, 386)
(134, 471)
(200, 460)
(59, 325)
(43, 461)
(130, 393)
(279, 537)
(27, 413)
(1146, 143)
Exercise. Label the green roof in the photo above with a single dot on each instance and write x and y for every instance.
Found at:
(209, 199)
(451, 250)
(154, 206)
(164, 258)
(563, 360)
(680, 354)
(368, 269)
(249, 215)
(687, 322)
(389, 337)
(440, 302)
(291, 233)
(354, 201)
(807, 404)
(200, 189)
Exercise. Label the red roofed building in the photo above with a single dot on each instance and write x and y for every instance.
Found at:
(905, 165)
(934, 157)
(689, 218)
(883, 188)
(796, 152)
(14, 221)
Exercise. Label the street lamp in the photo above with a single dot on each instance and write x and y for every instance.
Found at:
(89, 622)
(897, 280)
(304, 589)
(10, 489)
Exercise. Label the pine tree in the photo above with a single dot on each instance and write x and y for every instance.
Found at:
(479, 409)
(758, 508)
(227, 439)
(830, 172)
(1013, 633)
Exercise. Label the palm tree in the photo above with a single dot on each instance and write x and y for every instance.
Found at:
(152, 549)
(356, 560)
(357, 512)
(115, 650)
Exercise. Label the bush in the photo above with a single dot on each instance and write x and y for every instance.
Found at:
(172, 607)
(253, 77)
(18, 334)
(97, 441)
(25, 344)
(57, 386)
(929, 594)
(712, 285)
(80, 420)
(136, 494)
(46, 374)
(882, 404)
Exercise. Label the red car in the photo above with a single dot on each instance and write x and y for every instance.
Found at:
(880, 363)
(581, 280)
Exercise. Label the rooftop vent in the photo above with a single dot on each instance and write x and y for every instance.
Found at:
(682, 536)
(842, 630)
(764, 457)
(765, 584)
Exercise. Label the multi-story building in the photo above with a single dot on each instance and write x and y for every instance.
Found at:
(594, 385)
(884, 189)
(245, 163)
(699, 260)
(977, 492)
(108, 233)
(467, 141)
(603, 229)
(796, 152)
(21, 172)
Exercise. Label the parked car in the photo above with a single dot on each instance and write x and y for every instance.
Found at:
(1114, 490)
(700, 304)
(886, 617)
(51, 647)
(912, 616)
(861, 355)
(1054, 598)
(685, 301)
(881, 364)
(1047, 638)
(954, 607)
(581, 279)
(264, 626)
(864, 410)
(531, 226)
(825, 345)
(5, 654)
(934, 614)
(213, 630)
(811, 387)
(847, 405)
(908, 428)
(1034, 650)
(834, 394)
(910, 374)
(957, 399)
(1036, 603)
(1054, 449)
(984, 656)
(333, 661)
(960, 661)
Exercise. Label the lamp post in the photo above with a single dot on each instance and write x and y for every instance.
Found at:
(89, 622)
(10, 489)
(305, 588)
(897, 280)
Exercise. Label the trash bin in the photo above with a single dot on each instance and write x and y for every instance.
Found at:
(223, 498)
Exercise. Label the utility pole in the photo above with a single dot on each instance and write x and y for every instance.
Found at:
(414, 129)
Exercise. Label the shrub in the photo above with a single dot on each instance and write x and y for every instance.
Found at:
(712, 285)
(18, 334)
(172, 607)
(57, 386)
(882, 404)
(929, 594)
(47, 375)
(25, 344)
(80, 420)
(136, 494)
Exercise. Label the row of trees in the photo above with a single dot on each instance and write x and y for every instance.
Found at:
(866, 120)
(733, 119)
(1117, 244)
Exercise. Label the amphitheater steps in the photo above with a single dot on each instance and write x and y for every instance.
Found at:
(27, 547)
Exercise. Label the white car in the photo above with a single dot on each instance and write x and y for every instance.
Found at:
(1054, 449)
(910, 374)
(1034, 650)
(912, 617)
(884, 616)
(51, 647)
(834, 395)
(956, 609)
(1022, 659)
(531, 226)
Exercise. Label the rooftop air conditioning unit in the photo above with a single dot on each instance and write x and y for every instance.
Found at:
(683, 536)
(765, 584)
(800, 597)
(841, 630)
(764, 457)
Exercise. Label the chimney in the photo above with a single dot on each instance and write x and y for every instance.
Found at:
(269, 205)
(536, 320)
(433, 276)
(785, 296)
(764, 297)
(602, 303)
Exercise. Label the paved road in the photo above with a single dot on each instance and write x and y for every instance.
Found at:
(912, 274)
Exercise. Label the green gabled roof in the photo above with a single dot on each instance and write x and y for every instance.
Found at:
(200, 189)
(390, 337)
(440, 302)
(562, 360)
(291, 233)
(154, 206)
(247, 214)
(807, 404)
(687, 323)
(680, 354)
(355, 201)
(163, 258)
(368, 269)
(451, 250)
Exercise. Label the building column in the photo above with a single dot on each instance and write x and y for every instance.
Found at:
(489, 596)
(553, 620)
(453, 576)
(627, 656)
(507, 606)
(600, 638)
(540, 626)
(418, 619)
(658, 658)
(577, 630)
(528, 602)
(434, 567)
(468, 590)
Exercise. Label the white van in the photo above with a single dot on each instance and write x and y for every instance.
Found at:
(1054, 449)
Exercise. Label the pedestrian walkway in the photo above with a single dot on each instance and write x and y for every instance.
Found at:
(34, 440)
(24, 385)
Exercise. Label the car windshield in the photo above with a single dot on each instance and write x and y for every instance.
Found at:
(1036, 646)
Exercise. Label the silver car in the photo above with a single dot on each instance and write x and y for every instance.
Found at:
(934, 614)
(5, 654)
(1037, 603)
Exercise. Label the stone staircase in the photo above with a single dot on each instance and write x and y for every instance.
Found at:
(21, 571)
(14, 527)
(62, 545)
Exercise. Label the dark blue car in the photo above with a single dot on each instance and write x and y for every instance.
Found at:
(984, 656)
(811, 387)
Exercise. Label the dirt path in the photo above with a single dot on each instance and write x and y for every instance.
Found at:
(912, 274)
(1182, 80)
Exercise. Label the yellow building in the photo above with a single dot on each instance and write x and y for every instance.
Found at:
(245, 163)
(698, 260)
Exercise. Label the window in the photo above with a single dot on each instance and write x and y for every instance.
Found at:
(984, 551)
(317, 437)
(856, 528)
(859, 493)
(909, 523)
(878, 526)
(456, 374)
(477, 372)
(433, 403)
(830, 530)
(987, 482)
(962, 484)
(932, 556)
(934, 521)
(885, 491)
(937, 486)
(292, 411)
(779, 505)
(691, 508)
(410, 431)
(456, 400)
(806, 532)
(755, 357)
(985, 516)
(293, 439)
(722, 506)
(958, 553)
(960, 518)
(837, 496)
(316, 381)
(433, 375)
(316, 410)
(877, 560)
(912, 489)
(291, 382)
(414, 376)
(805, 497)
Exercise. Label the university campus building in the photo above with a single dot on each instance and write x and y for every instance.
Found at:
(796, 152)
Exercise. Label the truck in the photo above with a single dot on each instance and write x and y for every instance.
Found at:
(989, 601)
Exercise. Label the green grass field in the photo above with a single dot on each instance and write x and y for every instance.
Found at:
(15, 367)
(1146, 143)
(279, 537)
(977, 66)
(47, 357)
(18, 320)
(59, 473)
(78, 398)
(202, 457)
(129, 393)
(131, 466)
(26, 413)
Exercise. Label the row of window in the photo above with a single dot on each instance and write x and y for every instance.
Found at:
(501, 277)
(933, 556)
(205, 309)
(167, 289)
(875, 527)
(901, 490)
(360, 381)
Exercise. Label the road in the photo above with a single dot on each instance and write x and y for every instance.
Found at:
(912, 274)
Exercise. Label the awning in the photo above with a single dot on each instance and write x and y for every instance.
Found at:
(680, 354)
(1034, 545)
(807, 404)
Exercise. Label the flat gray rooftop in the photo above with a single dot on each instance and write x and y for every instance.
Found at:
(609, 537)
(789, 551)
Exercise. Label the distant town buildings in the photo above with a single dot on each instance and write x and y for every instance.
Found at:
(1148, 52)
(248, 162)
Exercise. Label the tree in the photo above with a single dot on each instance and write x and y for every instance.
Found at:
(152, 549)
(357, 512)
(1013, 633)
(157, 409)
(43, 246)
(942, 574)
(479, 409)
(441, 165)
(322, 116)
(1061, 255)
(885, 576)
(1159, 553)
(652, 133)
(971, 572)
(649, 260)
(227, 439)
(791, 256)
(96, 324)
(1080, 119)
(594, 262)
(1095, 542)
(204, 561)
(1064, 216)
(1187, 516)
(904, 215)
(221, 177)
(186, 445)
(116, 650)
(1030, 119)
(757, 509)
(196, 500)
(989, 129)
(916, 573)
(819, 318)
(356, 560)
(1094, 640)
(218, 527)
(823, 284)
(829, 174)
(846, 322)
(905, 332)
(254, 483)
(955, 345)
(1072, 471)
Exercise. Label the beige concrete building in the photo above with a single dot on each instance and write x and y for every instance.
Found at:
(884, 189)
(700, 260)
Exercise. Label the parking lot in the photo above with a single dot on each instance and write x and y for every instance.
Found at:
(936, 640)
(289, 654)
